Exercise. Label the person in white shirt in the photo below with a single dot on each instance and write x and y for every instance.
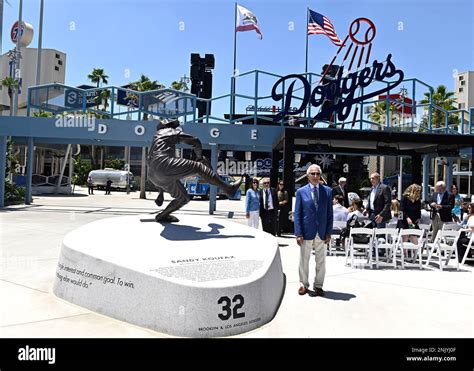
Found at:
(339, 211)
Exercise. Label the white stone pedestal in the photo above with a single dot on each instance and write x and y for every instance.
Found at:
(200, 277)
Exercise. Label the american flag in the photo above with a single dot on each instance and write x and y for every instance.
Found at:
(319, 24)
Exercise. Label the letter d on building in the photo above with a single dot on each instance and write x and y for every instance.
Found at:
(101, 129)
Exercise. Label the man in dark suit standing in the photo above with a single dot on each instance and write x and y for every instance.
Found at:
(441, 208)
(380, 199)
(313, 218)
(341, 190)
(268, 207)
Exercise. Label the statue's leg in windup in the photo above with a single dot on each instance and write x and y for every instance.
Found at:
(166, 176)
(181, 198)
(160, 198)
(211, 177)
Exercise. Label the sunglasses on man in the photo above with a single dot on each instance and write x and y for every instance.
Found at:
(314, 174)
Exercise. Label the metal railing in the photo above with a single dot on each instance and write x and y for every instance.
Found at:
(123, 103)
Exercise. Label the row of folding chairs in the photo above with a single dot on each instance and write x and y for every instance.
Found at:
(397, 243)
(390, 240)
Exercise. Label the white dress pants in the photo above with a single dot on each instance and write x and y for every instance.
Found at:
(253, 219)
(320, 258)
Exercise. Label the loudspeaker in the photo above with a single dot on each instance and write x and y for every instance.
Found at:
(196, 87)
(209, 60)
(196, 72)
(207, 85)
(201, 108)
(195, 58)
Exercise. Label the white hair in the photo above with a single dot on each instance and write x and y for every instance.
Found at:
(342, 179)
(441, 184)
(313, 165)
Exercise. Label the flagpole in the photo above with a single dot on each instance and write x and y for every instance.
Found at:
(306, 60)
(235, 64)
(307, 20)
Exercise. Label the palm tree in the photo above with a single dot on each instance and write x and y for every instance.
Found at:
(99, 77)
(445, 99)
(42, 114)
(178, 85)
(103, 98)
(12, 85)
(144, 84)
(378, 113)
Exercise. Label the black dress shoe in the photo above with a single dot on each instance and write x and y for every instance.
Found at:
(312, 293)
(319, 291)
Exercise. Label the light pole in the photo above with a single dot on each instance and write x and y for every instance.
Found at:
(403, 94)
(16, 66)
(40, 43)
(128, 170)
(185, 81)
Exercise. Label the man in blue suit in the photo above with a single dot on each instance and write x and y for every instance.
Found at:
(313, 219)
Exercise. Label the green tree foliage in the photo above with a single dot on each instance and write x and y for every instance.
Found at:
(81, 171)
(379, 112)
(98, 76)
(12, 85)
(445, 99)
(43, 114)
(114, 163)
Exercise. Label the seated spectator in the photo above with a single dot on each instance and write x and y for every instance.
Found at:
(458, 204)
(356, 208)
(339, 211)
(466, 234)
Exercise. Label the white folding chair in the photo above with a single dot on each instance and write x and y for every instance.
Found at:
(392, 225)
(410, 246)
(427, 237)
(470, 246)
(445, 241)
(385, 238)
(355, 247)
(451, 226)
(335, 235)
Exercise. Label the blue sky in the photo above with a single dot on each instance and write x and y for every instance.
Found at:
(428, 39)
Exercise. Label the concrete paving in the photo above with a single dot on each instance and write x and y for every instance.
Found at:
(360, 303)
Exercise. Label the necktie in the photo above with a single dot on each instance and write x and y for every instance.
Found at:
(316, 196)
(267, 199)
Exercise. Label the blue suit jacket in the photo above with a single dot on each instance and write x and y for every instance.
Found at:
(308, 221)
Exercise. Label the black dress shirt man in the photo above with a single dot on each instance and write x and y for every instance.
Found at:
(268, 207)
(380, 199)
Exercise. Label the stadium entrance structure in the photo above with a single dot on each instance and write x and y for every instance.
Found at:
(282, 132)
